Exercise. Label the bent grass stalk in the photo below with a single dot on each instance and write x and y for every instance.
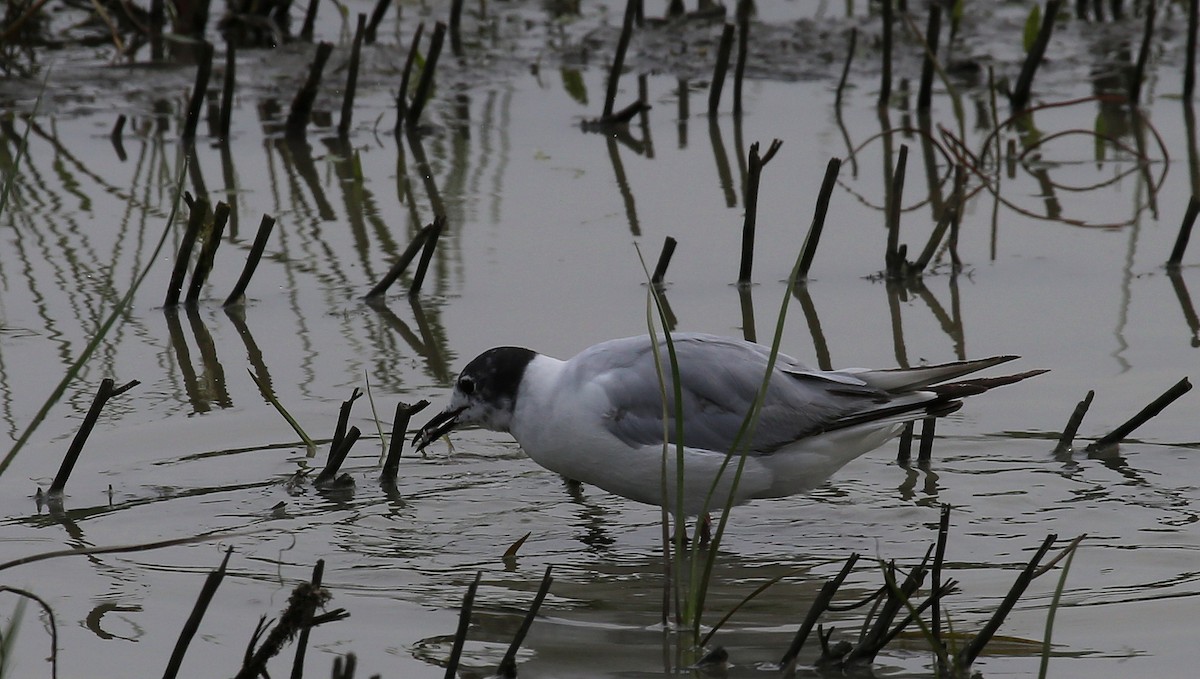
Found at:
(698, 580)
(117, 312)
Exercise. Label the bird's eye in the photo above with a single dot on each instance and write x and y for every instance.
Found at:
(466, 385)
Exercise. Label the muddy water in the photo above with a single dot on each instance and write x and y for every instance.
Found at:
(1063, 268)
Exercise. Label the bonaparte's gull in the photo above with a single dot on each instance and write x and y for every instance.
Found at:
(598, 417)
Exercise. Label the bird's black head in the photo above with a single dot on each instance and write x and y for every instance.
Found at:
(485, 393)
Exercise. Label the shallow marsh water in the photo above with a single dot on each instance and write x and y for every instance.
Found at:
(540, 252)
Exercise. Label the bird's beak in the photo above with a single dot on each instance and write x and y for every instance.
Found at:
(439, 426)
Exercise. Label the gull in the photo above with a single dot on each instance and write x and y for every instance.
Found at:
(604, 416)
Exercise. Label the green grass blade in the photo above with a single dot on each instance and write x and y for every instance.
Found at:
(1054, 603)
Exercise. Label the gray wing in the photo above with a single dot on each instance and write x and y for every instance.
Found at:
(719, 379)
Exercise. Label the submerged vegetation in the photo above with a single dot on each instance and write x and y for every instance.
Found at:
(964, 168)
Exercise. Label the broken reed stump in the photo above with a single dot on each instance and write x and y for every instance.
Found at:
(819, 606)
(438, 225)
(932, 31)
(967, 654)
(199, 212)
(352, 77)
(1139, 68)
(381, 7)
(227, 86)
(406, 74)
(724, 47)
(894, 255)
(1018, 99)
(508, 664)
(664, 260)
(1067, 439)
(1185, 233)
(753, 176)
(935, 574)
(211, 583)
(904, 454)
(425, 83)
(614, 74)
(199, 89)
(208, 254)
(252, 260)
(456, 8)
(401, 264)
(310, 20)
(885, 77)
(337, 455)
(404, 413)
(318, 577)
(460, 634)
(809, 250)
(1155, 407)
(744, 7)
(106, 391)
(302, 104)
(343, 421)
(1189, 70)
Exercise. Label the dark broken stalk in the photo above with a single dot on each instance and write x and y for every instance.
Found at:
(337, 455)
(932, 31)
(106, 391)
(227, 91)
(1155, 407)
(211, 583)
(464, 622)
(739, 71)
(1019, 97)
(377, 14)
(401, 264)
(343, 421)
(208, 254)
(199, 211)
(508, 664)
(819, 606)
(809, 250)
(404, 413)
(1189, 71)
(344, 666)
(310, 20)
(837, 101)
(935, 238)
(664, 260)
(925, 452)
(406, 75)
(1139, 68)
(1068, 435)
(893, 257)
(754, 175)
(118, 129)
(967, 654)
(302, 104)
(456, 8)
(438, 225)
(935, 580)
(252, 260)
(724, 47)
(203, 71)
(614, 75)
(1185, 233)
(425, 83)
(307, 616)
(876, 637)
(885, 78)
(352, 77)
